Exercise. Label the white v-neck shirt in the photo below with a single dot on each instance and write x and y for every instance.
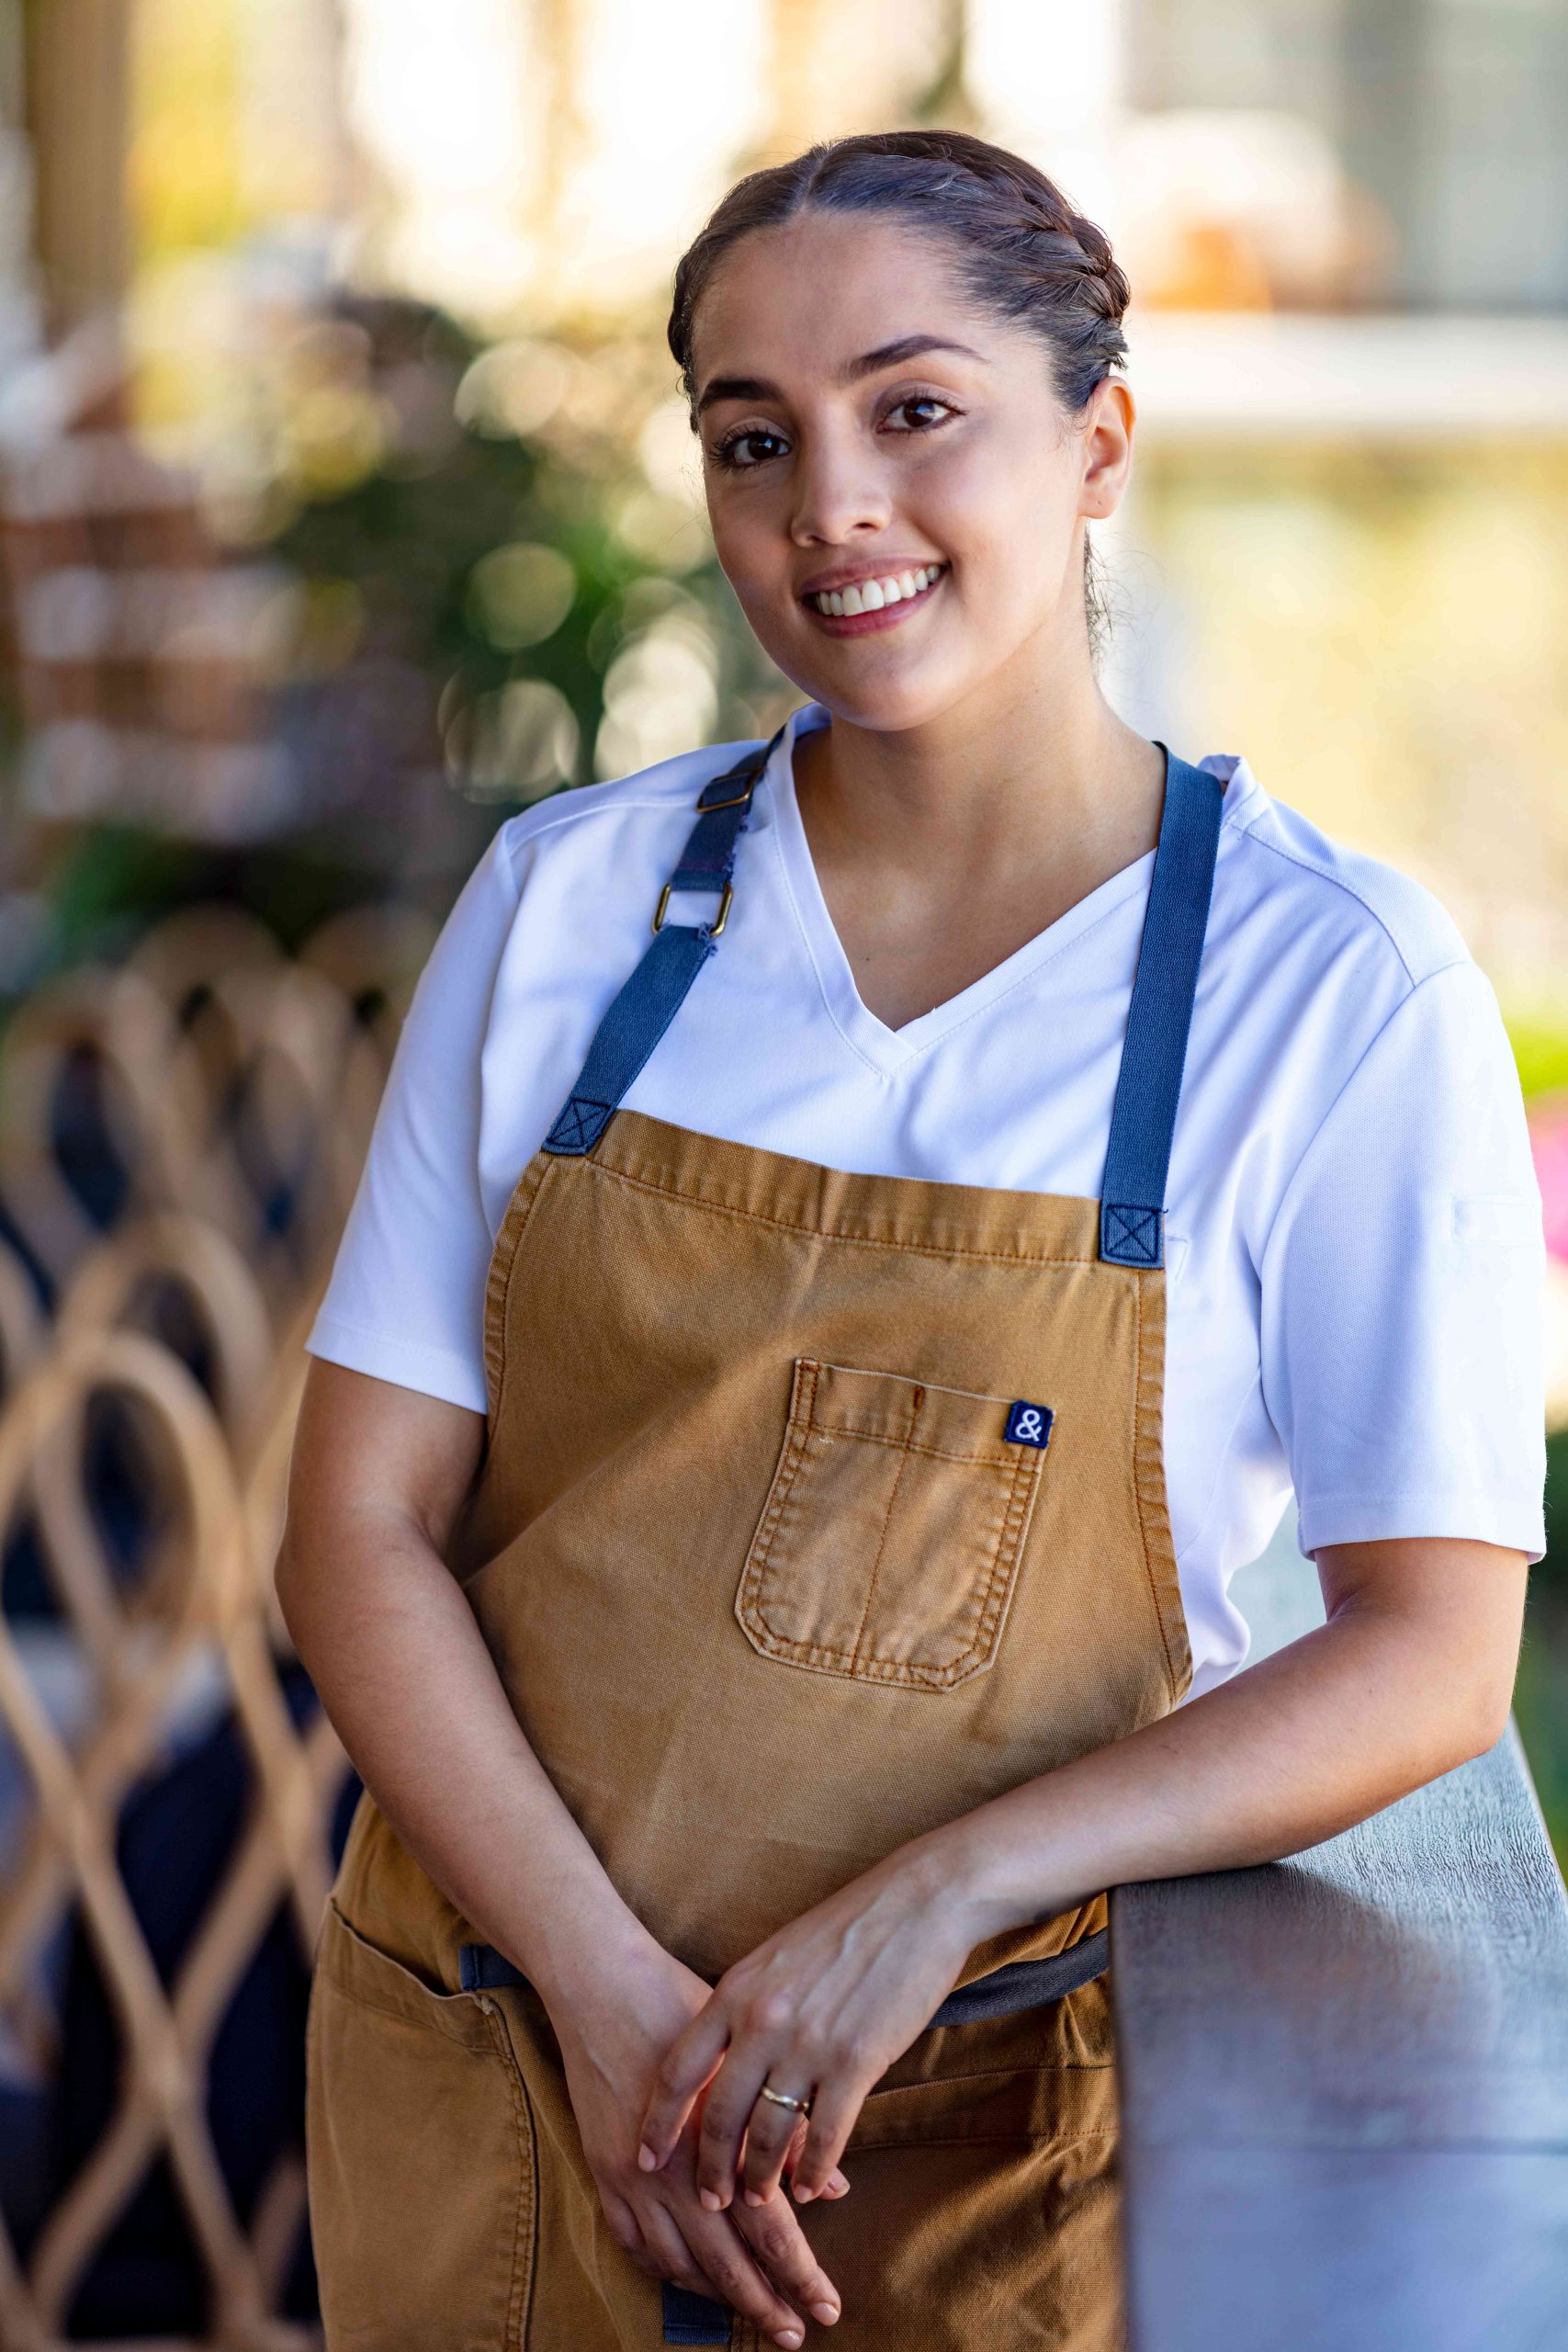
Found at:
(1354, 1246)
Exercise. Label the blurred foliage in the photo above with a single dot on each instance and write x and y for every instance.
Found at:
(1541, 1699)
(1540, 1050)
(493, 582)
(436, 535)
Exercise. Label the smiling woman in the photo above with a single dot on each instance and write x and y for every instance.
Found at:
(1010, 247)
(765, 1505)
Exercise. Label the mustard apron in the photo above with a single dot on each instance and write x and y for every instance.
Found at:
(815, 1509)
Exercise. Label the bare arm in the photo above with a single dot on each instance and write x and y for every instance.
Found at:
(1411, 1676)
(377, 1477)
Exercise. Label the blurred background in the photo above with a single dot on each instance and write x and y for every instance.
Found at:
(348, 504)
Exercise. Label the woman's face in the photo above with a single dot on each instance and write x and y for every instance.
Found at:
(837, 453)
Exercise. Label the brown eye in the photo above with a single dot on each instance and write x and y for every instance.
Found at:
(725, 452)
(923, 400)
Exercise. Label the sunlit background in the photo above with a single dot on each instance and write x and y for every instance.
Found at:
(347, 503)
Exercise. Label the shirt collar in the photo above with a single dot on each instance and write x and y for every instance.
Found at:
(1231, 767)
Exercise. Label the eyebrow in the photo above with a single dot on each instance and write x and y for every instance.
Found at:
(886, 354)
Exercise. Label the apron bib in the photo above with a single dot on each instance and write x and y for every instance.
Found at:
(817, 1509)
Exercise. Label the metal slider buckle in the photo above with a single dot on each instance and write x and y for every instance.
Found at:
(713, 928)
(707, 807)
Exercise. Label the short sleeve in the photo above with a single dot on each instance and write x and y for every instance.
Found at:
(405, 1299)
(1403, 1290)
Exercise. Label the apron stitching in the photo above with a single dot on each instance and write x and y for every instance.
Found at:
(796, 1435)
(881, 1547)
(812, 1372)
(1021, 1509)
(523, 2245)
(1141, 1418)
(1151, 1474)
(855, 1240)
(999, 1461)
(498, 1284)
(937, 1387)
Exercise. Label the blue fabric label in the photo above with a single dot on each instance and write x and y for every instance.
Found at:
(1029, 1424)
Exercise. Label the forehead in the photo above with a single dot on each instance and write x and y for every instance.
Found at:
(821, 288)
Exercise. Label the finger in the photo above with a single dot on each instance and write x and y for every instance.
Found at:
(781, 2245)
(733, 2107)
(770, 2135)
(671, 2256)
(625, 2227)
(685, 2066)
(838, 2180)
(738, 2278)
(833, 2111)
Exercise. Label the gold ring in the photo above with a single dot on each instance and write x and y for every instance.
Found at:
(780, 2101)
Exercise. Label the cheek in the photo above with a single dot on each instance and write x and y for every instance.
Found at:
(995, 507)
(749, 550)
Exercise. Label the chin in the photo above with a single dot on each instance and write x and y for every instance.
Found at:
(888, 704)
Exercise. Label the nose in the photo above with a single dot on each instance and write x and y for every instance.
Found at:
(838, 491)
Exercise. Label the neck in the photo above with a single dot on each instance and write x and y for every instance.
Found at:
(1032, 770)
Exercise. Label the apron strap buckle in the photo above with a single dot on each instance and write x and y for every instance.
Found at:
(722, 916)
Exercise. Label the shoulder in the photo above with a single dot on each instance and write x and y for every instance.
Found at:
(583, 814)
(1283, 877)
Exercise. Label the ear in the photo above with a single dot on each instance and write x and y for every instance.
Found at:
(1107, 443)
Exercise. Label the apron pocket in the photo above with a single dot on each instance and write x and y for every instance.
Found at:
(888, 1547)
(420, 2156)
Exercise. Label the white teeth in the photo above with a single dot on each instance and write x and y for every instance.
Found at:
(870, 596)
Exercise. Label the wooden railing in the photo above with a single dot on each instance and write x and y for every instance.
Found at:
(1345, 2076)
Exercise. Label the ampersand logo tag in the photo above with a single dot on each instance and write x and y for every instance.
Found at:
(1029, 1424)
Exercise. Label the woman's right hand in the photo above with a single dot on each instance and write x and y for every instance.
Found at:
(612, 2037)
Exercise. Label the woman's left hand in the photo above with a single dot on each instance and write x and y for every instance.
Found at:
(819, 2011)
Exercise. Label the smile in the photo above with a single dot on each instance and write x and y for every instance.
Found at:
(868, 605)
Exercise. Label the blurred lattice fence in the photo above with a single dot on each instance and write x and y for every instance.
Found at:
(179, 1139)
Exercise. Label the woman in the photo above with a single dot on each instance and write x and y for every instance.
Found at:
(750, 1521)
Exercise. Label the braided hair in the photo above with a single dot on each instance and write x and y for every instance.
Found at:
(1022, 253)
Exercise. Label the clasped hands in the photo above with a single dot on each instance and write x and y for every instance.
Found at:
(816, 2012)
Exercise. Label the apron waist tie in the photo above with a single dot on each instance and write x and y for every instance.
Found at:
(1022, 1984)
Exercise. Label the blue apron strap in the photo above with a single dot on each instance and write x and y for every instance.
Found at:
(648, 1000)
(1143, 1117)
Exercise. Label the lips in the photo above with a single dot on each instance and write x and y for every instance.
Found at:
(869, 591)
(877, 607)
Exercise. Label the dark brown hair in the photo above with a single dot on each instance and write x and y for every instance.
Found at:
(1023, 254)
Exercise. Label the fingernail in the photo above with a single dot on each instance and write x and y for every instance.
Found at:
(755, 2197)
(790, 2336)
(647, 2159)
(825, 2313)
(710, 2197)
(803, 2194)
